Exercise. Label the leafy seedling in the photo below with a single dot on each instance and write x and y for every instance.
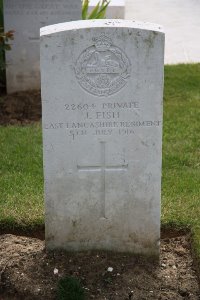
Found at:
(69, 288)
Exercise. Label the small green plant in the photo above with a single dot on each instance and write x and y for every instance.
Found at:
(5, 38)
(98, 12)
(69, 288)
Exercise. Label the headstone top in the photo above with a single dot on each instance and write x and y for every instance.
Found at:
(109, 23)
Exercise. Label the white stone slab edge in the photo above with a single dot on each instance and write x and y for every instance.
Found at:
(108, 23)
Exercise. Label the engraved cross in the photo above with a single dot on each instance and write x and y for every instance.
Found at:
(102, 167)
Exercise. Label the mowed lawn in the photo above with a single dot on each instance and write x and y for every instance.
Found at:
(21, 178)
(181, 149)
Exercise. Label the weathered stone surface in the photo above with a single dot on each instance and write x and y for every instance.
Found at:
(115, 9)
(26, 17)
(102, 85)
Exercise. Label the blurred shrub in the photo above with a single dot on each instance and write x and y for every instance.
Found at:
(5, 37)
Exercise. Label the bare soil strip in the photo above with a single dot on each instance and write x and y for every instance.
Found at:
(27, 271)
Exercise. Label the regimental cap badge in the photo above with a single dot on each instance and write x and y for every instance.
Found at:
(102, 69)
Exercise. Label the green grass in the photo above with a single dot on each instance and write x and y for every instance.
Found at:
(21, 180)
(181, 149)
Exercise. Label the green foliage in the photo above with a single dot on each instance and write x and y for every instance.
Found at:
(1, 13)
(5, 37)
(98, 12)
(69, 288)
(2, 59)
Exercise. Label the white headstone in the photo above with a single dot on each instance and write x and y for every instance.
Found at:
(115, 9)
(102, 86)
(26, 17)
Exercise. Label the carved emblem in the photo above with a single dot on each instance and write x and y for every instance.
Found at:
(102, 69)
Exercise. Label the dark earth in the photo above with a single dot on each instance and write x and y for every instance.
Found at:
(28, 271)
(20, 108)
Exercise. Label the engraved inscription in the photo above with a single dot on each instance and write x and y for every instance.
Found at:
(103, 119)
(102, 167)
(102, 69)
(115, 105)
(102, 128)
